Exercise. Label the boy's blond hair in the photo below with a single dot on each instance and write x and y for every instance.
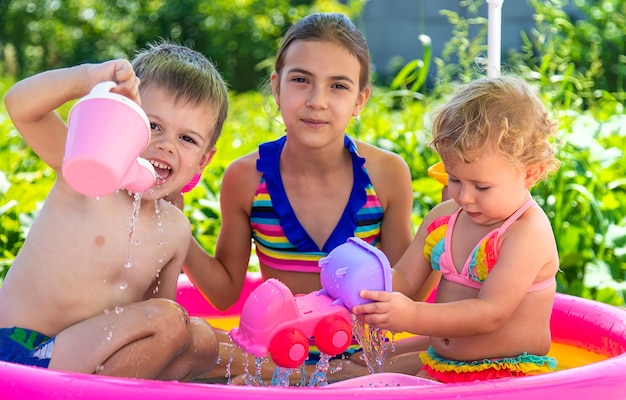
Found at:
(188, 75)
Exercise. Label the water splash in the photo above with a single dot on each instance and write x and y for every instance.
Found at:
(133, 221)
(302, 372)
(109, 331)
(157, 211)
(231, 357)
(158, 282)
(318, 377)
(257, 380)
(373, 343)
(281, 376)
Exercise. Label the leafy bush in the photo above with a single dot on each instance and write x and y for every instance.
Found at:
(586, 203)
(24, 183)
(239, 38)
(580, 58)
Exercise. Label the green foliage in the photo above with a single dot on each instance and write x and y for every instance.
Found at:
(586, 203)
(41, 35)
(402, 130)
(240, 37)
(252, 30)
(24, 183)
(413, 75)
(581, 59)
(463, 58)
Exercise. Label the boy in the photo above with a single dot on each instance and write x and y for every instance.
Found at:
(68, 301)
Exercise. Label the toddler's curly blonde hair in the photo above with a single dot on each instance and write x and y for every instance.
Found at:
(501, 113)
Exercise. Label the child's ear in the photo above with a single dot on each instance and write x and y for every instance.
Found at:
(206, 159)
(275, 85)
(362, 98)
(533, 174)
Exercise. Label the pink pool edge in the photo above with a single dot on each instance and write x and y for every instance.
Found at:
(575, 321)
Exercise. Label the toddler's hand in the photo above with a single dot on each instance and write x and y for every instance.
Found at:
(388, 310)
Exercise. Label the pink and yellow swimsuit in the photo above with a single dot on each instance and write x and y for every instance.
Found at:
(474, 272)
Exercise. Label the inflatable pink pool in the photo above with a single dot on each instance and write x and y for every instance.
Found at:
(577, 323)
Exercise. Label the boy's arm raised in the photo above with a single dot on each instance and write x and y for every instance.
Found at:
(31, 103)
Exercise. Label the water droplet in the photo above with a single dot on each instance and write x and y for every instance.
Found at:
(119, 309)
(123, 286)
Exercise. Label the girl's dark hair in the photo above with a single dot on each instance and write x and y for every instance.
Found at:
(331, 27)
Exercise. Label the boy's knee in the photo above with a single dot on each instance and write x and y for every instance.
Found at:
(168, 316)
(205, 343)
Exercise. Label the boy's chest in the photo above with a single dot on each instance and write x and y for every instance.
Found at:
(113, 240)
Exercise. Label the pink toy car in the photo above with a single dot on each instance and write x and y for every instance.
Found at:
(275, 321)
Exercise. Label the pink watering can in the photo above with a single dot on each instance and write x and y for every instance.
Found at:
(106, 134)
(274, 321)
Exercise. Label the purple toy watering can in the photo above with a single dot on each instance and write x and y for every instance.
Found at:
(352, 267)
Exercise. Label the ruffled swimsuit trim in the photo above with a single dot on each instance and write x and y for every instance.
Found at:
(281, 241)
(450, 371)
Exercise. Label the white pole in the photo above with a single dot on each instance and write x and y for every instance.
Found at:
(494, 35)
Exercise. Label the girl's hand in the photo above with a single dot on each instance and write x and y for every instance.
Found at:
(393, 311)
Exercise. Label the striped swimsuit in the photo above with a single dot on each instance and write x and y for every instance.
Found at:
(281, 241)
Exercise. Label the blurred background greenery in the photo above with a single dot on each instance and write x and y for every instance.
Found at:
(578, 67)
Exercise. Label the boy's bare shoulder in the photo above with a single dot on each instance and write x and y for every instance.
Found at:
(176, 219)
